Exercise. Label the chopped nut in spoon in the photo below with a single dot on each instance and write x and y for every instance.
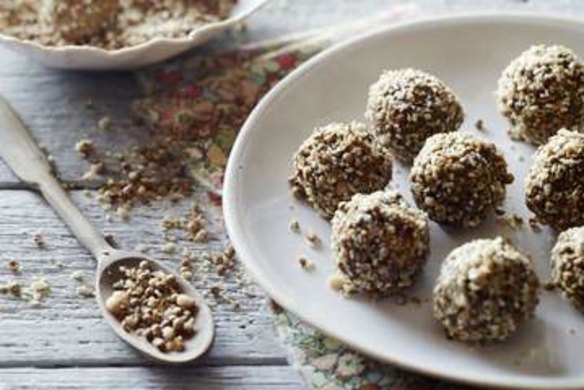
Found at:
(149, 303)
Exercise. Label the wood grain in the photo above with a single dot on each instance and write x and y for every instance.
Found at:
(65, 343)
(207, 378)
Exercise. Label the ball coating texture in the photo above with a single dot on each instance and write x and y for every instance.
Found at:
(554, 187)
(336, 162)
(407, 106)
(458, 179)
(541, 92)
(486, 289)
(380, 243)
(568, 266)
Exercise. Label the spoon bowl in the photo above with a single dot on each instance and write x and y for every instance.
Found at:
(109, 273)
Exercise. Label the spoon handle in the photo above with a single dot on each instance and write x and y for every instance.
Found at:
(21, 152)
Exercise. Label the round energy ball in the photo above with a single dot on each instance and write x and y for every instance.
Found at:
(568, 265)
(380, 243)
(458, 179)
(554, 188)
(407, 106)
(336, 162)
(541, 92)
(485, 290)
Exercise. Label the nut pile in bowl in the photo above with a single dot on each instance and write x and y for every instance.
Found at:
(487, 288)
(149, 303)
(108, 24)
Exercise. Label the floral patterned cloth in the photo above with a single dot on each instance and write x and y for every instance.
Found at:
(203, 100)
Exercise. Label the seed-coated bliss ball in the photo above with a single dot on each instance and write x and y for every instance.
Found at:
(554, 188)
(485, 290)
(407, 106)
(541, 92)
(380, 243)
(568, 266)
(336, 162)
(458, 179)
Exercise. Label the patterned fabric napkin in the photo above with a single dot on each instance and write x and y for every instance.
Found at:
(203, 100)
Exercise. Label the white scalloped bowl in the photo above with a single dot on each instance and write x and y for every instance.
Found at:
(147, 53)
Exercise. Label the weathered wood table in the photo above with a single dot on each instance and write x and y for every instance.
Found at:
(65, 343)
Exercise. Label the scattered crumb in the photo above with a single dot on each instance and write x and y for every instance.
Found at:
(123, 211)
(223, 263)
(13, 288)
(14, 266)
(572, 331)
(480, 125)
(94, 172)
(219, 294)
(110, 239)
(58, 263)
(313, 239)
(104, 123)
(77, 275)
(534, 224)
(141, 247)
(37, 291)
(339, 283)
(85, 147)
(186, 265)
(549, 286)
(306, 264)
(39, 240)
(294, 225)
(515, 135)
(193, 224)
(168, 247)
(84, 291)
(512, 221)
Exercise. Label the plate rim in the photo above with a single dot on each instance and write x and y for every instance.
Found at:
(231, 213)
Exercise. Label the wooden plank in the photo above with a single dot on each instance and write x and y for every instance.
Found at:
(68, 329)
(208, 378)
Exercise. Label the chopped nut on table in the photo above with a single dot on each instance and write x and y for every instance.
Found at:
(313, 240)
(39, 240)
(294, 225)
(14, 266)
(84, 291)
(306, 264)
(145, 174)
(512, 221)
(149, 303)
(85, 147)
(77, 275)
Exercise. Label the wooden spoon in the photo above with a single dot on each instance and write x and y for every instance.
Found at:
(20, 151)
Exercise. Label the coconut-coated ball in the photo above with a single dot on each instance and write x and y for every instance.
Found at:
(407, 106)
(567, 262)
(458, 179)
(554, 188)
(541, 92)
(336, 162)
(485, 290)
(379, 242)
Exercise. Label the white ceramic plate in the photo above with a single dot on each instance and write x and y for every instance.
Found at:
(468, 53)
(148, 53)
